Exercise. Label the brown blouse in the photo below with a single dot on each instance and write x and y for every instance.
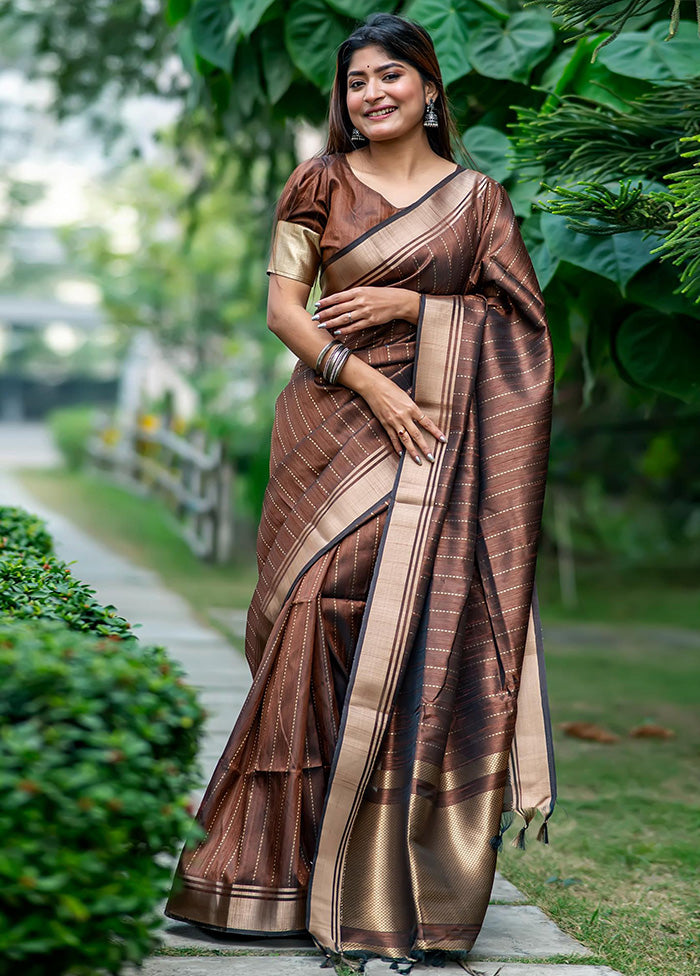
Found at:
(324, 196)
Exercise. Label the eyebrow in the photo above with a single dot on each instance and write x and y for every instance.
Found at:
(382, 67)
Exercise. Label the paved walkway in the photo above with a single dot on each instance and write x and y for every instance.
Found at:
(513, 930)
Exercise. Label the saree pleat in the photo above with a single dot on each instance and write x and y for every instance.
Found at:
(398, 710)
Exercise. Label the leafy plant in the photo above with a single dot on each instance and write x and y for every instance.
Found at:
(24, 531)
(71, 428)
(34, 584)
(98, 740)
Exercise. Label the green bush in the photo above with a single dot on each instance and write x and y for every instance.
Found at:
(98, 739)
(24, 531)
(71, 428)
(35, 584)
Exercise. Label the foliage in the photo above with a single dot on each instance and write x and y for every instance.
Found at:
(534, 108)
(682, 245)
(579, 139)
(596, 15)
(21, 530)
(98, 740)
(34, 584)
(71, 428)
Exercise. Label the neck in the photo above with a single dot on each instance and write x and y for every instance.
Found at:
(404, 157)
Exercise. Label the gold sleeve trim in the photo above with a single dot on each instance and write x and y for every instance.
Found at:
(296, 252)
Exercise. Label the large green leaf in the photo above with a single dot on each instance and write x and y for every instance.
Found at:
(573, 72)
(645, 54)
(177, 10)
(313, 34)
(359, 9)
(660, 352)
(489, 148)
(451, 27)
(511, 49)
(616, 257)
(544, 260)
(277, 67)
(214, 31)
(249, 12)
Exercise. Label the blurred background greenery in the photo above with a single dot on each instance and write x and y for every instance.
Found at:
(143, 148)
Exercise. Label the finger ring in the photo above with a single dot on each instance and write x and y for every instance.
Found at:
(402, 432)
(349, 316)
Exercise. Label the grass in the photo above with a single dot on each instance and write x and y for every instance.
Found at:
(620, 872)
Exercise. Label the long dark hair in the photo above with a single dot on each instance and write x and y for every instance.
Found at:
(406, 41)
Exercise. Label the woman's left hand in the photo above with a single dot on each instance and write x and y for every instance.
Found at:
(359, 308)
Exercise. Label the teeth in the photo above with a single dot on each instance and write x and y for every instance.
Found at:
(380, 113)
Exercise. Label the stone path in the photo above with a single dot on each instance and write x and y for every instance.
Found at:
(513, 930)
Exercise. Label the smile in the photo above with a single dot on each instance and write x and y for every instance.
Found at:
(379, 113)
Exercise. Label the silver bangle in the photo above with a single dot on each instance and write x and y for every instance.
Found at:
(331, 360)
(339, 360)
(323, 352)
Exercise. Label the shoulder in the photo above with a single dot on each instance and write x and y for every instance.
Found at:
(311, 170)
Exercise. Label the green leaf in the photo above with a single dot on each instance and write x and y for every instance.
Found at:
(573, 72)
(616, 257)
(557, 311)
(658, 288)
(313, 33)
(645, 54)
(489, 148)
(248, 13)
(214, 31)
(359, 9)
(277, 67)
(511, 49)
(177, 10)
(660, 352)
(544, 260)
(451, 27)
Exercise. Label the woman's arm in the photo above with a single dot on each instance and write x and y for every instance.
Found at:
(288, 319)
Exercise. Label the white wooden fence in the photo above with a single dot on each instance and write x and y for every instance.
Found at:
(194, 479)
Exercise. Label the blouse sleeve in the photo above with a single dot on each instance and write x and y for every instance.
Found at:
(300, 220)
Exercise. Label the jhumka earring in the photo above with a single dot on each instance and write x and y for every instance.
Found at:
(430, 119)
(357, 136)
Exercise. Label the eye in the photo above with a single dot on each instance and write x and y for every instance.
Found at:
(355, 84)
(391, 76)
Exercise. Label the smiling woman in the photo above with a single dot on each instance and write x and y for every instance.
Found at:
(398, 716)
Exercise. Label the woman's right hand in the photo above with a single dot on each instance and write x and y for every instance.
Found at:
(397, 412)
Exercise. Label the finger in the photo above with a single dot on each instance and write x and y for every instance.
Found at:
(357, 326)
(408, 444)
(431, 427)
(337, 315)
(395, 442)
(338, 298)
(421, 442)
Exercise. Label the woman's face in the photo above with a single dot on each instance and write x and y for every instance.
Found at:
(386, 98)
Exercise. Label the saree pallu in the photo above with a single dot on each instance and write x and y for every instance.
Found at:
(398, 714)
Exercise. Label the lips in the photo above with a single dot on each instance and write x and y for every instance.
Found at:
(380, 113)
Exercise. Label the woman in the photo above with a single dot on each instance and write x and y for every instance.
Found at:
(394, 629)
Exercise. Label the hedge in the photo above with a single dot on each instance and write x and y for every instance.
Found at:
(98, 745)
(36, 584)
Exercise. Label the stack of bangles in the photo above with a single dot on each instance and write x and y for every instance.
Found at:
(335, 360)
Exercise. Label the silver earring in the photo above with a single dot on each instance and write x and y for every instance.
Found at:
(430, 119)
(357, 136)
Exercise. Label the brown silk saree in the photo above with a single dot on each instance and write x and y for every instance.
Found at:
(398, 715)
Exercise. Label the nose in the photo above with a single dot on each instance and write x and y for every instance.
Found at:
(373, 90)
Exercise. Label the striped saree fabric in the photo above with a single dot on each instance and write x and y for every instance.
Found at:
(398, 716)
